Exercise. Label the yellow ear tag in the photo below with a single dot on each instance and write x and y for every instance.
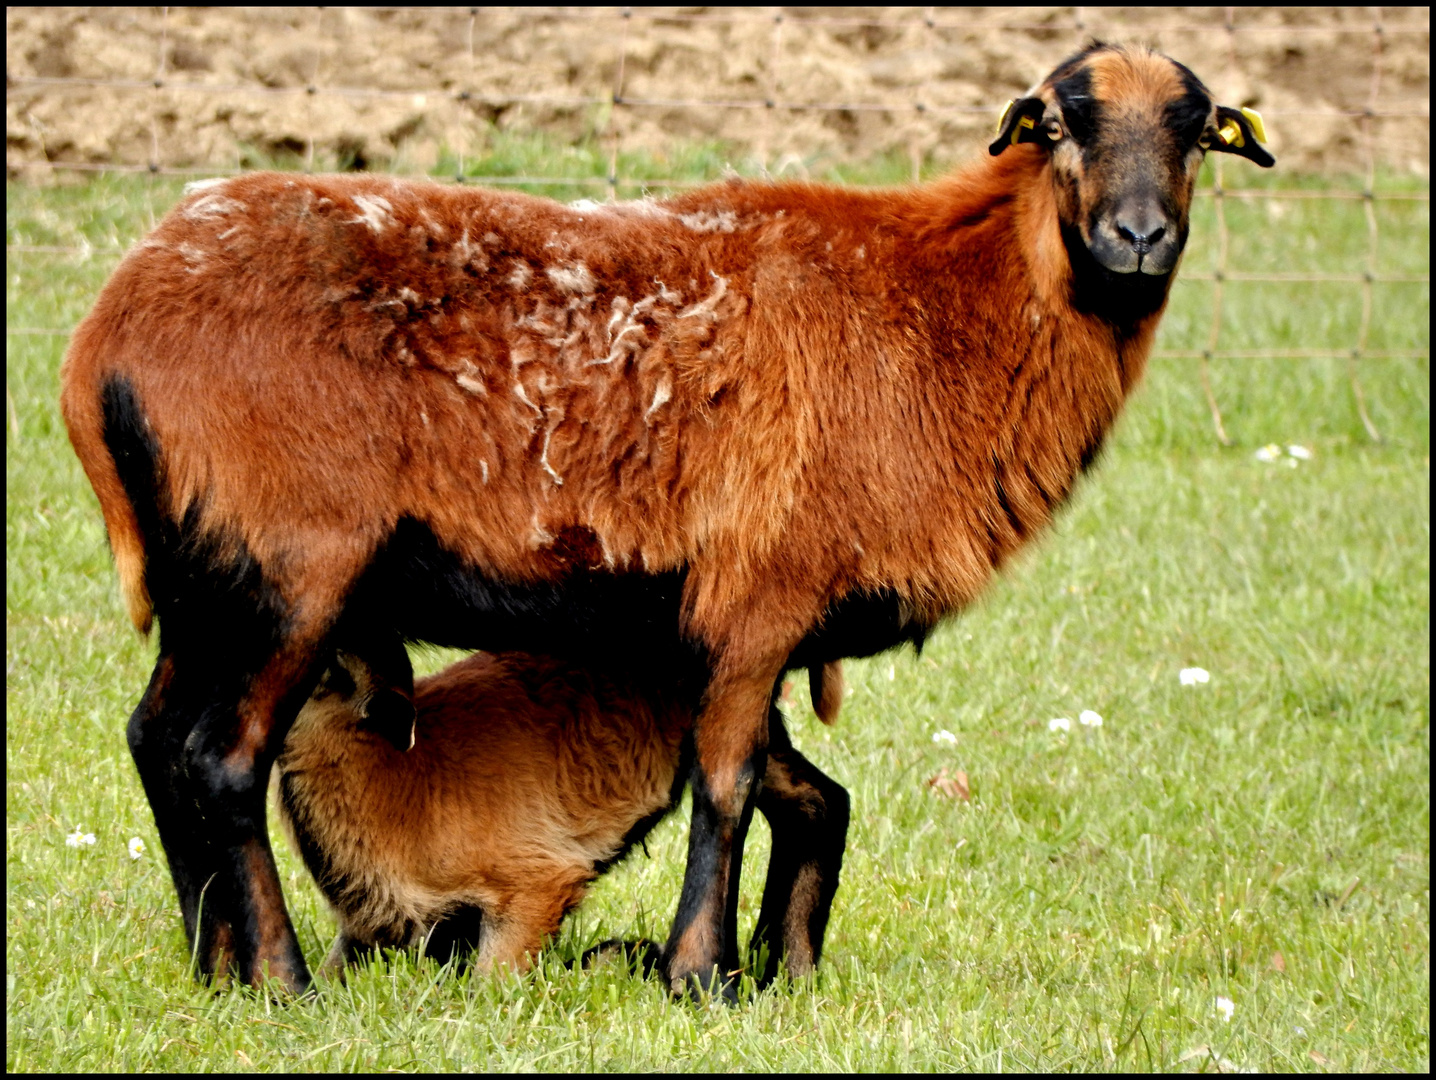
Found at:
(1003, 118)
(1025, 122)
(1231, 134)
(1254, 119)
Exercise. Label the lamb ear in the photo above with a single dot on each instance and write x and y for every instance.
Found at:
(388, 713)
(1240, 131)
(380, 664)
(1018, 123)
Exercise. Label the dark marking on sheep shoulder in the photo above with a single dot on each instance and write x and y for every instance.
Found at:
(715, 852)
(331, 878)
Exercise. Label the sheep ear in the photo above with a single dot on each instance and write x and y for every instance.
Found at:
(1018, 123)
(388, 713)
(1241, 132)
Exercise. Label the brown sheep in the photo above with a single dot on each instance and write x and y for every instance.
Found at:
(755, 427)
(480, 816)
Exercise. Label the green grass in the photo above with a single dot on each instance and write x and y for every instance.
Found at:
(1083, 911)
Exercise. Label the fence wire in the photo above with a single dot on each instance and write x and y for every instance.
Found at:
(769, 103)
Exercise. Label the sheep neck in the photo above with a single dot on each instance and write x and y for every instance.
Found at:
(1024, 384)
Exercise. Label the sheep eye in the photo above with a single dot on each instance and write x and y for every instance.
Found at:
(1205, 142)
(1053, 130)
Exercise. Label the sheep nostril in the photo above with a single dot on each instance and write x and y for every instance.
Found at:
(1141, 242)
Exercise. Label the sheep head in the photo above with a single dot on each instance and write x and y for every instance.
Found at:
(1125, 132)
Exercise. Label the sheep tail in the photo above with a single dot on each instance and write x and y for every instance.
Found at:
(109, 433)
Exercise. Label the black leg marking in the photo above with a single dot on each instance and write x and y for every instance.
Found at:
(708, 905)
(156, 737)
(228, 785)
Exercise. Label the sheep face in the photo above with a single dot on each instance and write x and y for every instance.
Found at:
(1125, 132)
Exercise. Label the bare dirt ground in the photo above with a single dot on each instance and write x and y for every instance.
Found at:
(235, 84)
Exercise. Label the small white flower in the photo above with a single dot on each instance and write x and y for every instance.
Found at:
(892, 672)
(1190, 676)
(1302, 452)
(78, 838)
(1226, 1007)
(944, 736)
(1269, 452)
(1059, 723)
(136, 847)
(1090, 718)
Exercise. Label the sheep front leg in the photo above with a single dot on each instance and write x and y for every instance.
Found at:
(730, 742)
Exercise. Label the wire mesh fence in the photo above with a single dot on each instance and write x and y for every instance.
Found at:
(181, 92)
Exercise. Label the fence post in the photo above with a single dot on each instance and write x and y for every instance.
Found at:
(1368, 123)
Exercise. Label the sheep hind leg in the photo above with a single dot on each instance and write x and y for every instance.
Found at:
(808, 814)
(226, 760)
(236, 664)
(156, 733)
(196, 810)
